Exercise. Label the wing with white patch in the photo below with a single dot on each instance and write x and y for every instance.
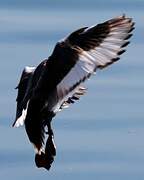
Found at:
(23, 88)
(97, 47)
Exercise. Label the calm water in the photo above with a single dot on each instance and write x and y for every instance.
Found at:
(100, 137)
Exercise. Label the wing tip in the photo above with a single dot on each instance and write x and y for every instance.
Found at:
(125, 44)
(121, 52)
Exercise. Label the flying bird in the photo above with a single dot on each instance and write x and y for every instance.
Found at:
(58, 81)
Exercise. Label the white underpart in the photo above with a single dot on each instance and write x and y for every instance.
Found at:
(89, 61)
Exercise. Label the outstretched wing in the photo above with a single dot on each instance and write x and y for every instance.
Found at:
(95, 48)
(23, 88)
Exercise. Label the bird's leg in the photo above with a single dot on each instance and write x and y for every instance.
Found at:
(47, 122)
(50, 145)
(50, 148)
(45, 159)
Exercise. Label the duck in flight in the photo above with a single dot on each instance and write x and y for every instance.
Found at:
(57, 82)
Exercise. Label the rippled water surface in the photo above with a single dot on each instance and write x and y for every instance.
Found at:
(100, 137)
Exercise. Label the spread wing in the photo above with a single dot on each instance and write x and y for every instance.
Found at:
(23, 88)
(95, 48)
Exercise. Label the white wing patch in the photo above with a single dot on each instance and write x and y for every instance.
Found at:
(21, 119)
(27, 73)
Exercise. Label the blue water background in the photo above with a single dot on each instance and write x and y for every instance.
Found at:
(100, 137)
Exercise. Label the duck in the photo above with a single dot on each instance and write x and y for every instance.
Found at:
(58, 81)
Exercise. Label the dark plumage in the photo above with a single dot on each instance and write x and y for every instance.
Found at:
(58, 81)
